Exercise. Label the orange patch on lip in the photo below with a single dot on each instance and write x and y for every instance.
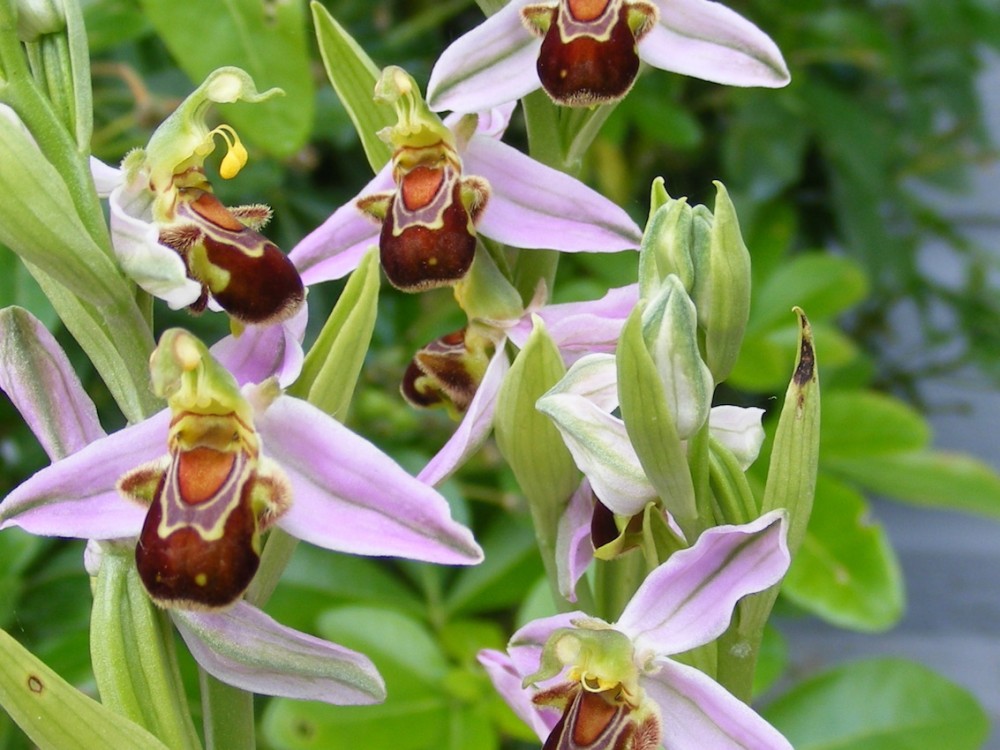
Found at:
(420, 185)
(587, 10)
(201, 473)
(211, 209)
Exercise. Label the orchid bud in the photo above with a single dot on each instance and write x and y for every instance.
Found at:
(722, 283)
(588, 54)
(36, 18)
(666, 247)
(670, 332)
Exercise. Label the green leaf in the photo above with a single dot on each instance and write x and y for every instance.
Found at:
(353, 76)
(54, 714)
(18, 550)
(500, 580)
(651, 426)
(317, 580)
(845, 571)
(882, 704)
(18, 288)
(865, 424)
(331, 369)
(935, 478)
(825, 285)
(268, 40)
(417, 712)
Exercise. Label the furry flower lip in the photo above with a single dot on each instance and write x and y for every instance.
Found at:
(174, 237)
(587, 52)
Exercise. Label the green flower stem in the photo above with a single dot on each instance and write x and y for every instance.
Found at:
(273, 561)
(615, 581)
(699, 461)
(228, 712)
(133, 654)
(730, 486)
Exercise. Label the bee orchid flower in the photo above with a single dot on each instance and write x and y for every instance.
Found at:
(587, 52)
(238, 460)
(501, 194)
(583, 682)
(174, 237)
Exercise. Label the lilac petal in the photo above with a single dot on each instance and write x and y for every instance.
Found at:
(489, 66)
(699, 713)
(37, 377)
(689, 599)
(136, 241)
(76, 497)
(535, 206)
(601, 449)
(335, 247)
(351, 497)
(707, 40)
(260, 352)
(491, 122)
(574, 548)
(525, 647)
(245, 648)
(106, 177)
(739, 429)
(507, 682)
(474, 427)
(579, 328)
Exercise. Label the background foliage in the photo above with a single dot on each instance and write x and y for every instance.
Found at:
(830, 178)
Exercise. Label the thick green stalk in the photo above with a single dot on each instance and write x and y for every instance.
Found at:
(228, 711)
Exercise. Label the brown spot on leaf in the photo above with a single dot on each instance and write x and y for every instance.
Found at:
(35, 684)
(807, 364)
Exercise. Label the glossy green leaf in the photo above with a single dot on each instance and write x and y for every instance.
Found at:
(353, 76)
(651, 426)
(862, 424)
(317, 580)
(54, 714)
(825, 285)
(416, 713)
(268, 40)
(333, 364)
(882, 704)
(500, 580)
(845, 571)
(936, 478)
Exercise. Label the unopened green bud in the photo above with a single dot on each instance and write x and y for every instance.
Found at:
(37, 18)
(722, 282)
(670, 331)
(666, 247)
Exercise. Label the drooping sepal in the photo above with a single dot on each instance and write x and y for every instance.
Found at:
(588, 54)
